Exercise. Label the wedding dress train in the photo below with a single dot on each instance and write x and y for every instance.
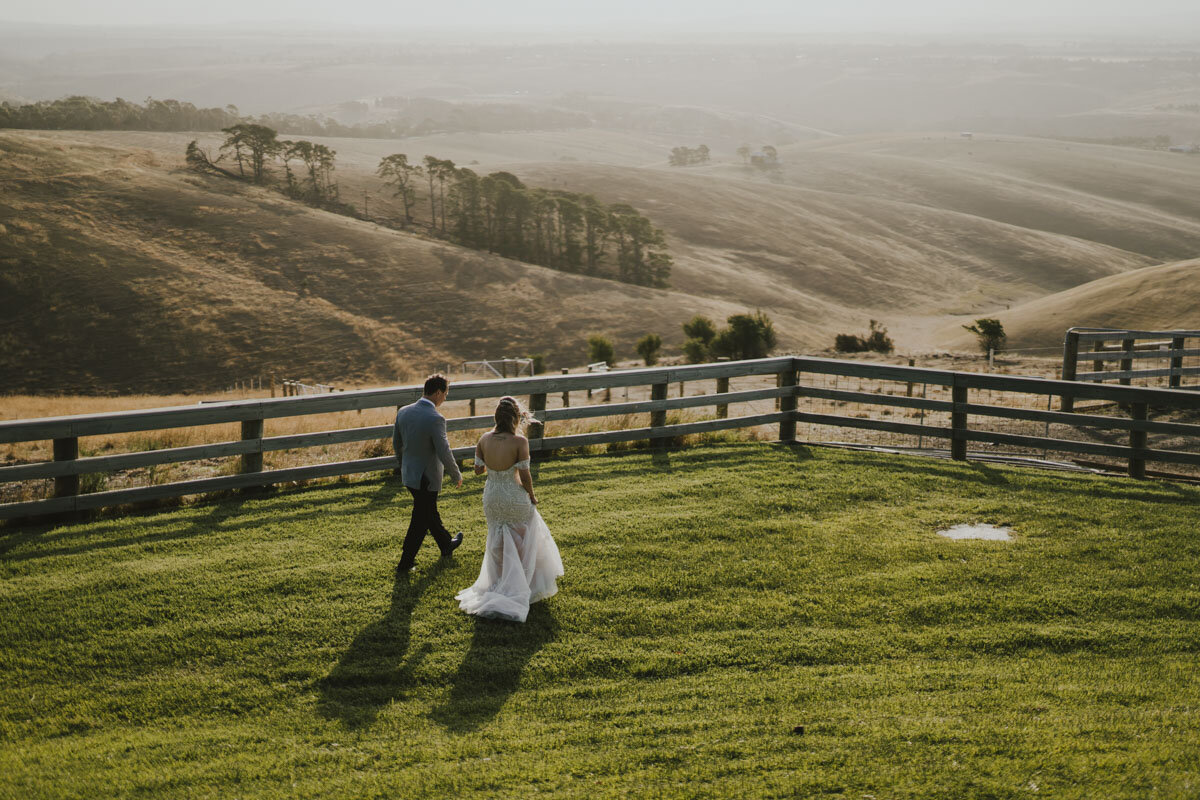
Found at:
(520, 561)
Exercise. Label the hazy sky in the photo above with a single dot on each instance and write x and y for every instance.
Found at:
(1175, 18)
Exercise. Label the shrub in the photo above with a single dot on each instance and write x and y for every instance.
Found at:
(648, 347)
(877, 340)
(696, 351)
(849, 343)
(539, 363)
(748, 336)
(701, 328)
(601, 349)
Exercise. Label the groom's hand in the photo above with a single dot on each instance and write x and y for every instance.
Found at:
(459, 484)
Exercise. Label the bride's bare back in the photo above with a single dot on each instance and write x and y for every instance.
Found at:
(497, 448)
(501, 450)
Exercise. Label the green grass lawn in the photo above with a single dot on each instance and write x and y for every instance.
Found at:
(715, 600)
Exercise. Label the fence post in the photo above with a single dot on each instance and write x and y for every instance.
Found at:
(566, 394)
(471, 413)
(787, 404)
(252, 429)
(1127, 361)
(958, 421)
(1138, 412)
(912, 362)
(537, 428)
(1098, 366)
(66, 449)
(722, 388)
(1069, 367)
(658, 419)
(1174, 381)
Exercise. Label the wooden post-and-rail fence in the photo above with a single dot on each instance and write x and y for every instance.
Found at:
(254, 417)
(1102, 345)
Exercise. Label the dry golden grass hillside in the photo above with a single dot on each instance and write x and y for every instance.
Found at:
(1162, 297)
(121, 271)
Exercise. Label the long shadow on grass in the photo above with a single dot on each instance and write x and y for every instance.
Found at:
(491, 670)
(221, 515)
(377, 667)
(166, 527)
(1033, 480)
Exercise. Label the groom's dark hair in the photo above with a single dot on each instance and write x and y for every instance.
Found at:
(436, 383)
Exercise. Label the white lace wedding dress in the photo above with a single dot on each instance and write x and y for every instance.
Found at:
(520, 560)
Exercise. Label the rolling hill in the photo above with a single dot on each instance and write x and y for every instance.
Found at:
(1162, 297)
(121, 271)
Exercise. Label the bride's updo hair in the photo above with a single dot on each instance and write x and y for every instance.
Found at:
(510, 416)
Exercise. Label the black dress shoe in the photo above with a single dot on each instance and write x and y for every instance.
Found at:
(404, 569)
(453, 544)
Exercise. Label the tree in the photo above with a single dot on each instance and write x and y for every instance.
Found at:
(744, 152)
(648, 347)
(235, 142)
(287, 154)
(989, 332)
(466, 207)
(701, 328)
(640, 259)
(432, 166)
(595, 232)
(443, 171)
(748, 336)
(199, 160)
(252, 144)
(318, 164)
(600, 349)
(398, 173)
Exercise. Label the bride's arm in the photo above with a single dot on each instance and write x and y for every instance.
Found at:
(523, 473)
(480, 467)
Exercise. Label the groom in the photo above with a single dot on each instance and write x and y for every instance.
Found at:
(421, 445)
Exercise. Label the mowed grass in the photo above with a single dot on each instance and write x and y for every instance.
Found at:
(743, 620)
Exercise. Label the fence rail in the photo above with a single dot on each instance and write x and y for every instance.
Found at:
(1132, 347)
(67, 466)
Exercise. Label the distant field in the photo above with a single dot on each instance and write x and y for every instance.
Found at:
(736, 621)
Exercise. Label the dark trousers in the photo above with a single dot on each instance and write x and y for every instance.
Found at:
(425, 519)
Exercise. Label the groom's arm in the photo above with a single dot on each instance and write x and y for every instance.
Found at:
(397, 439)
(442, 444)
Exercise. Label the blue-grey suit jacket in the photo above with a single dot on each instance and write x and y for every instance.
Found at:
(419, 439)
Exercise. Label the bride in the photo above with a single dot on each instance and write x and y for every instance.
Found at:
(520, 560)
